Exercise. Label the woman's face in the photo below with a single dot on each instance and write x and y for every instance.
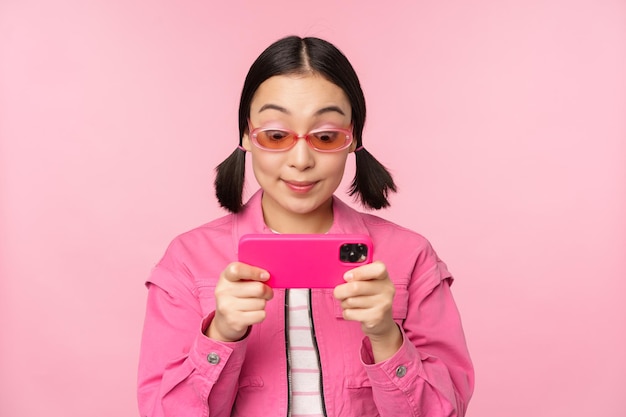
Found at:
(298, 183)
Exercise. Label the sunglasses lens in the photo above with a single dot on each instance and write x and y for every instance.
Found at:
(328, 140)
(274, 139)
(323, 140)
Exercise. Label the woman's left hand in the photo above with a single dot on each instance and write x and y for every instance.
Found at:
(367, 297)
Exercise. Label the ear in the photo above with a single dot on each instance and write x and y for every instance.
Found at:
(246, 143)
(352, 147)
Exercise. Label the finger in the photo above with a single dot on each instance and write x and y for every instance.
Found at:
(238, 271)
(248, 304)
(371, 324)
(374, 271)
(362, 302)
(359, 288)
(245, 289)
(341, 292)
(353, 289)
(371, 296)
(254, 289)
(252, 317)
(354, 314)
(366, 309)
(363, 315)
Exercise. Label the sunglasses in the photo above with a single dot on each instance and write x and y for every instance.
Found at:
(328, 139)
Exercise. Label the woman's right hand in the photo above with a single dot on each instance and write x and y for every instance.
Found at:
(240, 298)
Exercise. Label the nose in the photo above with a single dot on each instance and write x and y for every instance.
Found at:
(301, 155)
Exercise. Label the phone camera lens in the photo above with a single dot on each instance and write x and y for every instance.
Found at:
(353, 252)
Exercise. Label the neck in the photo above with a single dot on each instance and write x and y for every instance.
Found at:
(317, 222)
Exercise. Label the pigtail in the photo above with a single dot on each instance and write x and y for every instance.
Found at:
(229, 180)
(372, 181)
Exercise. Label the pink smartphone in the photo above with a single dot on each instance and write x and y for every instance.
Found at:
(303, 260)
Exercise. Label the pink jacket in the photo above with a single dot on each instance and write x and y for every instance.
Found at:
(184, 373)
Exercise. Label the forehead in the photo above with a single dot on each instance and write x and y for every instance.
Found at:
(299, 94)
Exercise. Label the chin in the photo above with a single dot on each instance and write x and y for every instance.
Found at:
(305, 205)
(302, 208)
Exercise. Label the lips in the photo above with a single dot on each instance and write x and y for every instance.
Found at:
(300, 186)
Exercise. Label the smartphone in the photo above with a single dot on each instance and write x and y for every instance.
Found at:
(305, 260)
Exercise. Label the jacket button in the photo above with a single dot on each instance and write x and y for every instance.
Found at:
(213, 358)
(401, 371)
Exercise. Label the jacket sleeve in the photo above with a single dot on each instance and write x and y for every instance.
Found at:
(179, 367)
(431, 374)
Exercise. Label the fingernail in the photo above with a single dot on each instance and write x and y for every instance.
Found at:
(348, 276)
(264, 275)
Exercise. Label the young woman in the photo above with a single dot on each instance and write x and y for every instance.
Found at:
(218, 341)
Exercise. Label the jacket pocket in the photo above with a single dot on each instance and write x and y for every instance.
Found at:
(251, 382)
(358, 397)
(205, 291)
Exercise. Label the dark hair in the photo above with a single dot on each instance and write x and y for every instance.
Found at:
(294, 55)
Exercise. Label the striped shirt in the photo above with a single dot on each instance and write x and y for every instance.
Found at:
(304, 361)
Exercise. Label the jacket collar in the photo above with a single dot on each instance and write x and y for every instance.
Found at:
(250, 219)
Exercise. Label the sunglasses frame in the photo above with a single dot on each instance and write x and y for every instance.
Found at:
(255, 131)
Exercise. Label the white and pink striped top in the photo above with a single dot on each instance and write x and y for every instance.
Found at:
(305, 373)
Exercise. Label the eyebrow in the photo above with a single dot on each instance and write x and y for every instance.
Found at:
(321, 111)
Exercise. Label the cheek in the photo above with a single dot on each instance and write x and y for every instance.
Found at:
(335, 167)
(341, 161)
(265, 164)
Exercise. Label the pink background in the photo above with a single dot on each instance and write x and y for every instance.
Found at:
(503, 122)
